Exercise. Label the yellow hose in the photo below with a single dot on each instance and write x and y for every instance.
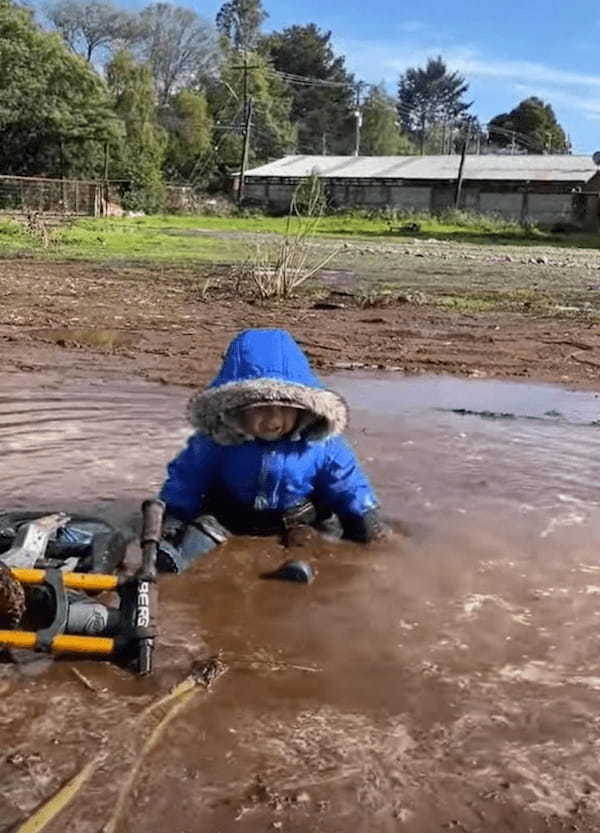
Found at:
(59, 800)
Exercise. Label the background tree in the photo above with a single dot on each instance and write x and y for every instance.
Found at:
(470, 130)
(322, 112)
(141, 155)
(55, 111)
(380, 132)
(178, 45)
(87, 25)
(240, 21)
(189, 128)
(430, 97)
(272, 134)
(531, 125)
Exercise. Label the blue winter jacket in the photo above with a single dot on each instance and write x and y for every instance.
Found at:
(267, 366)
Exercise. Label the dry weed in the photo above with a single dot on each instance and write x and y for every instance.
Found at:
(278, 271)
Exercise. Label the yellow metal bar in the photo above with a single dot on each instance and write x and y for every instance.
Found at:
(61, 644)
(75, 581)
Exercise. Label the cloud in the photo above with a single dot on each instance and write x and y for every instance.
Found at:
(394, 59)
(588, 105)
(576, 91)
(529, 71)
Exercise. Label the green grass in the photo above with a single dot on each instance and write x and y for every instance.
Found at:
(14, 239)
(187, 239)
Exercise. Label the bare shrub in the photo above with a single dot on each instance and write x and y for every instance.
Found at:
(37, 228)
(278, 270)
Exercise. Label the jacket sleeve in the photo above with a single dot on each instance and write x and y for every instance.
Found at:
(189, 476)
(342, 485)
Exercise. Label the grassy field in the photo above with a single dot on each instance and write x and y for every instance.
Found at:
(182, 239)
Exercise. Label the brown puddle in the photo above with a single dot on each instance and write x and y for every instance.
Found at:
(449, 679)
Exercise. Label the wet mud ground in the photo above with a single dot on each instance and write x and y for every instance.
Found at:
(447, 679)
(425, 311)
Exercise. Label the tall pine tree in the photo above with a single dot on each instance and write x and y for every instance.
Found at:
(430, 98)
(239, 21)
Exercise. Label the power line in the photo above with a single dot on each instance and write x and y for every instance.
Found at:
(306, 80)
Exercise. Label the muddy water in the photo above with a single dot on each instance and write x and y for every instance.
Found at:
(447, 679)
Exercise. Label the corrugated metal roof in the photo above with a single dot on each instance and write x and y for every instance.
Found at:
(485, 167)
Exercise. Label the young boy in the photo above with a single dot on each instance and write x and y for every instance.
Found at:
(266, 457)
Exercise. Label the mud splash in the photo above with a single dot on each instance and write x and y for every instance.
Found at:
(444, 680)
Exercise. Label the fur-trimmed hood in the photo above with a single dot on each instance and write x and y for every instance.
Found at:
(266, 366)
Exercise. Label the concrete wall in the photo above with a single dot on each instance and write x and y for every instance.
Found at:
(371, 196)
(547, 208)
(255, 190)
(407, 198)
(442, 198)
(513, 205)
(469, 200)
(506, 205)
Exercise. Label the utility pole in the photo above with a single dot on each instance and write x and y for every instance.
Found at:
(247, 107)
(105, 189)
(324, 144)
(245, 146)
(512, 142)
(358, 118)
(461, 166)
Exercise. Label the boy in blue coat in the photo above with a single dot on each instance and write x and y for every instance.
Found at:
(267, 456)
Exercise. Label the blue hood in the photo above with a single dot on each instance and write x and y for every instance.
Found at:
(270, 354)
(266, 366)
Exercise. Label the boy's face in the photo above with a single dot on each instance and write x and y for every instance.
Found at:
(269, 422)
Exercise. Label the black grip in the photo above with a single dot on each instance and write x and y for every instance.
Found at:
(153, 512)
(145, 657)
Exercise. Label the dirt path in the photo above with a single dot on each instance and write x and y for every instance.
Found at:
(172, 324)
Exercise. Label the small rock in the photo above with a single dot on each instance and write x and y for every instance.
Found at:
(347, 365)
(302, 798)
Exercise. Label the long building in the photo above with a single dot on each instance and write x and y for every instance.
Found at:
(543, 188)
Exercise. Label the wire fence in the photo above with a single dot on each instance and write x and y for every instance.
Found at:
(24, 195)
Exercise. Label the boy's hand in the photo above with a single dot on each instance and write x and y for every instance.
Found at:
(172, 528)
